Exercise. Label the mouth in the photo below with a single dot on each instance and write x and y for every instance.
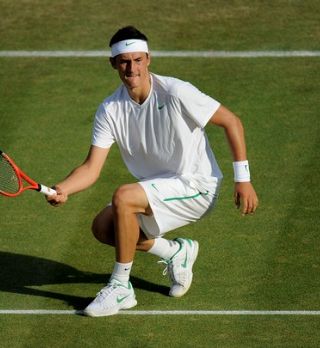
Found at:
(131, 75)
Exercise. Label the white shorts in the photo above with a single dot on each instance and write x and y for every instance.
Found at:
(174, 204)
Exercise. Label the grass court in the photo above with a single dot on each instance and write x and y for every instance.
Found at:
(270, 261)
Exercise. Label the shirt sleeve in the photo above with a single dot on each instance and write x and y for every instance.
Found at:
(196, 105)
(102, 135)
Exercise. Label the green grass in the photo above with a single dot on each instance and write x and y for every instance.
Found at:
(156, 332)
(192, 24)
(269, 261)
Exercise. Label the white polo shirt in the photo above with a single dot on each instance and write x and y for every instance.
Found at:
(164, 136)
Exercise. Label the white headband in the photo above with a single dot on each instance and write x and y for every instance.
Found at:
(127, 46)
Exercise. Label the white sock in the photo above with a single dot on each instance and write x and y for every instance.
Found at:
(121, 271)
(164, 248)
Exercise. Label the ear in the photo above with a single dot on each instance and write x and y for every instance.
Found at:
(113, 62)
(148, 58)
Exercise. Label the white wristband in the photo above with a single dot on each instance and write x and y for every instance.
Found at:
(241, 171)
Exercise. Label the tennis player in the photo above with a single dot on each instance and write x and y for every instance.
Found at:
(158, 123)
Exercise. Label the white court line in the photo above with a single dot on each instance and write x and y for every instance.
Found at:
(177, 54)
(168, 312)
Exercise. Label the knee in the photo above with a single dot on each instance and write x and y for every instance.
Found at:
(130, 199)
(121, 198)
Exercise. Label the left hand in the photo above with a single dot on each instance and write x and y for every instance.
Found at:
(245, 197)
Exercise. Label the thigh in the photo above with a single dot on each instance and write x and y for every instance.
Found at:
(174, 204)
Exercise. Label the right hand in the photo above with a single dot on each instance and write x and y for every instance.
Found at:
(58, 199)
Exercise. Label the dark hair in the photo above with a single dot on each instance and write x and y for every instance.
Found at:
(127, 33)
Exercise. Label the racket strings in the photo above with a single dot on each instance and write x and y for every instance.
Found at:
(9, 181)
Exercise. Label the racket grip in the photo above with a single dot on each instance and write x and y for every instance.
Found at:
(47, 190)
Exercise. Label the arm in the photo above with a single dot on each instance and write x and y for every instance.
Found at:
(81, 177)
(244, 193)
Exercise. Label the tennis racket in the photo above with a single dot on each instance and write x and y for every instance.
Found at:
(13, 181)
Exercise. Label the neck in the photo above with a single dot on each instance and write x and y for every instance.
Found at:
(140, 94)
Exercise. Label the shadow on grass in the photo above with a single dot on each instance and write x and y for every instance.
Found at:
(18, 273)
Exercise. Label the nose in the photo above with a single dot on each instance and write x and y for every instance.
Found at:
(129, 67)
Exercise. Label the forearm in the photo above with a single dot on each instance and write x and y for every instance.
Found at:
(78, 180)
(86, 174)
(234, 132)
(244, 191)
(81, 177)
(236, 139)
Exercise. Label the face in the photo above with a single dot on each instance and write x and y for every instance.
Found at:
(133, 69)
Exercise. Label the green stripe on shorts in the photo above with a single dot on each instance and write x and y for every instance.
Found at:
(185, 197)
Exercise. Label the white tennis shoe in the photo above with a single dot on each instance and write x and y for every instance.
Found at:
(111, 299)
(179, 267)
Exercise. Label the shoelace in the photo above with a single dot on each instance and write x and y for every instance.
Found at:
(107, 290)
(168, 268)
(166, 263)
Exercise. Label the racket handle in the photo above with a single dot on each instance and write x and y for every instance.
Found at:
(47, 190)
